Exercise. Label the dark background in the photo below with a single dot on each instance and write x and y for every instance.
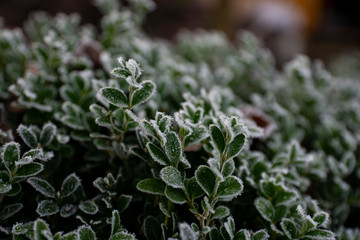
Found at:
(331, 28)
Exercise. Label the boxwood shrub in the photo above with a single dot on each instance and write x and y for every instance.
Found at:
(107, 133)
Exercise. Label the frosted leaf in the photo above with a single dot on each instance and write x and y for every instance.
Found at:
(47, 208)
(173, 148)
(68, 210)
(186, 232)
(10, 155)
(206, 179)
(171, 176)
(69, 185)
(10, 210)
(134, 68)
(42, 186)
(230, 188)
(28, 136)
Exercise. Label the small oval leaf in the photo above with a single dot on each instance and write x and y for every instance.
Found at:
(70, 184)
(157, 154)
(173, 148)
(47, 134)
(172, 177)
(47, 208)
(236, 146)
(218, 138)
(144, 93)
(10, 210)
(10, 155)
(28, 170)
(114, 96)
(42, 186)
(152, 186)
(175, 195)
(230, 188)
(89, 207)
(28, 136)
(206, 179)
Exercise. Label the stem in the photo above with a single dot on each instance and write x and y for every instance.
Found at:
(131, 91)
(119, 138)
(166, 217)
(207, 214)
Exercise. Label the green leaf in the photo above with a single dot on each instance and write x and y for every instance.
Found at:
(243, 234)
(214, 234)
(122, 236)
(86, 233)
(20, 228)
(114, 96)
(229, 168)
(289, 228)
(185, 163)
(186, 232)
(321, 218)
(157, 154)
(280, 212)
(152, 228)
(28, 136)
(97, 110)
(198, 134)
(265, 208)
(41, 229)
(42, 186)
(15, 189)
(152, 186)
(80, 136)
(115, 222)
(68, 210)
(89, 207)
(284, 197)
(28, 170)
(10, 155)
(268, 188)
(236, 146)
(71, 109)
(4, 187)
(147, 127)
(10, 210)
(175, 195)
(47, 208)
(164, 210)
(34, 154)
(206, 179)
(47, 134)
(72, 122)
(120, 116)
(230, 188)
(320, 234)
(173, 148)
(230, 227)
(260, 235)
(69, 185)
(4, 175)
(218, 138)
(123, 202)
(221, 212)
(172, 177)
(70, 236)
(193, 188)
(100, 184)
(143, 93)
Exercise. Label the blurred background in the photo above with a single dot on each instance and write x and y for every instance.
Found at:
(322, 29)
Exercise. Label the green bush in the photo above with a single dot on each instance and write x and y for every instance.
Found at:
(218, 144)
